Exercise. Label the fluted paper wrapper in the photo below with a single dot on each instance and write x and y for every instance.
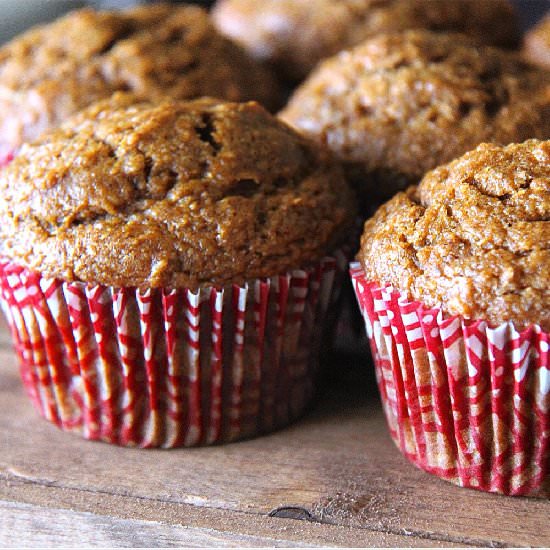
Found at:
(169, 368)
(6, 157)
(463, 400)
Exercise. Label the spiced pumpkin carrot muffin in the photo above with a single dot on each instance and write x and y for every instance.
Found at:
(536, 44)
(400, 104)
(177, 258)
(294, 35)
(454, 273)
(54, 70)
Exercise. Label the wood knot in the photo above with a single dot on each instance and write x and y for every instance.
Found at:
(291, 512)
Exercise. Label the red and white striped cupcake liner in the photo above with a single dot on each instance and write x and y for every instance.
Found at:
(169, 368)
(465, 401)
(6, 157)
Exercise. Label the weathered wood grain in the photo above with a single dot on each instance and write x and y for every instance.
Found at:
(28, 526)
(25, 525)
(337, 466)
(232, 528)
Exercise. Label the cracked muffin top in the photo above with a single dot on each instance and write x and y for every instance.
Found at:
(536, 45)
(401, 104)
(176, 194)
(473, 237)
(54, 70)
(295, 35)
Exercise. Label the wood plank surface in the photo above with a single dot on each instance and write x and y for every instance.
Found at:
(36, 526)
(332, 479)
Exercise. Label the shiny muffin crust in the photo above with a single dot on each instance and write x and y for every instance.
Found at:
(171, 195)
(473, 237)
(294, 35)
(536, 46)
(401, 104)
(54, 70)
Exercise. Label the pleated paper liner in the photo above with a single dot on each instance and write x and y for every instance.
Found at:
(463, 400)
(169, 368)
(6, 157)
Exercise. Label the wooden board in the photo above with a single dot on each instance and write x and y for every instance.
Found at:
(332, 479)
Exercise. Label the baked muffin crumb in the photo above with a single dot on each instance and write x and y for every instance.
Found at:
(401, 104)
(54, 70)
(473, 237)
(176, 194)
(294, 35)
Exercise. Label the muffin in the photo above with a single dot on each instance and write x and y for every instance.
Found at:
(453, 282)
(166, 270)
(401, 104)
(294, 35)
(55, 70)
(536, 44)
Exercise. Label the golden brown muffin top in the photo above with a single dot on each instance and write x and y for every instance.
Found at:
(296, 34)
(54, 70)
(176, 194)
(401, 104)
(473, 237)
(536, 45)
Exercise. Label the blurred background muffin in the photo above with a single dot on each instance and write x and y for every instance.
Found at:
(52, 71)
(400, 104)
(536, 44)
(294, 35)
